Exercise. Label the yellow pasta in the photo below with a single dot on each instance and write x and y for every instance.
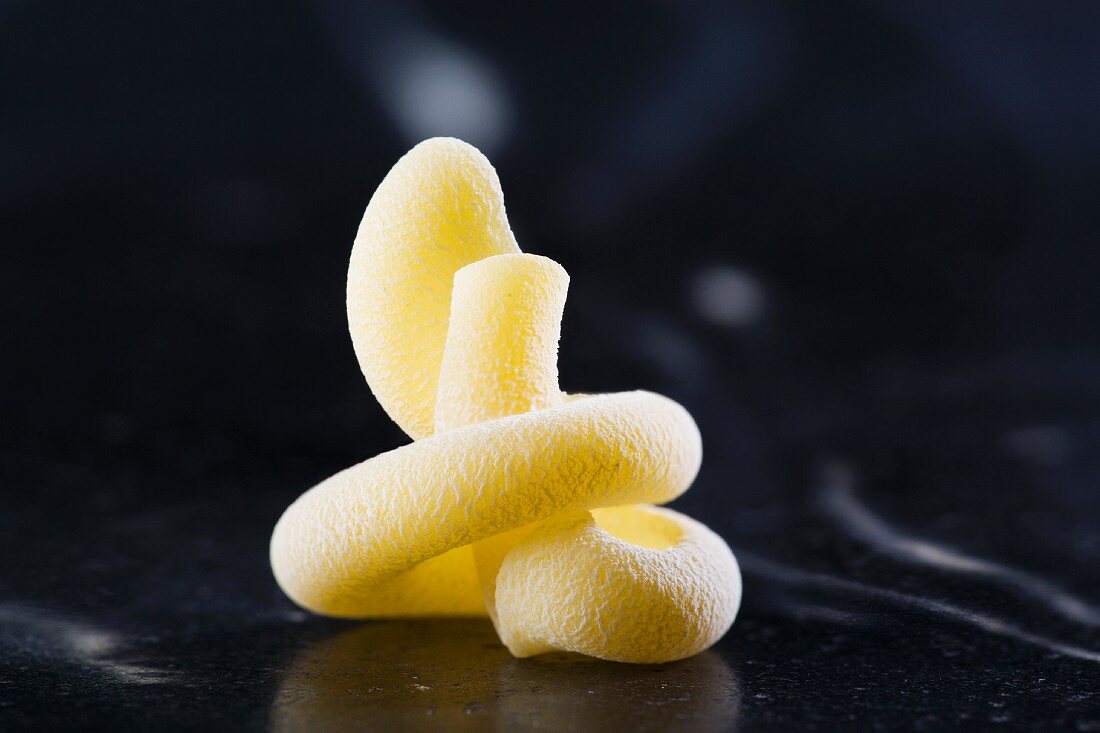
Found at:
(514, 499)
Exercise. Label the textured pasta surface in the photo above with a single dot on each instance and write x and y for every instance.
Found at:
(514, 499)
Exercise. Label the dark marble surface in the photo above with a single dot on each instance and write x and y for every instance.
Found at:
(866, 608)
(858, 240)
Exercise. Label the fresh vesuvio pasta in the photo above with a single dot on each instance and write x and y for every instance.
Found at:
(514, 499)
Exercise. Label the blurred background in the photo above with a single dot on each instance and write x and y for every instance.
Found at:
(858, 240)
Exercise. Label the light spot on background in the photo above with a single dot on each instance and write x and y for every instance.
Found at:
(433, 87)
(426, 83)
(1044, 444)
(728, 296)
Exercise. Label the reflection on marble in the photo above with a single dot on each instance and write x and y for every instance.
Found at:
(838, 501)
(777, 573)
(52, 637)
(455, 675)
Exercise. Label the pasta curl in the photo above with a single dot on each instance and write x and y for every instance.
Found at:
(514, 499)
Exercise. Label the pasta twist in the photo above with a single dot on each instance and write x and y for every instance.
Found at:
(514, 499)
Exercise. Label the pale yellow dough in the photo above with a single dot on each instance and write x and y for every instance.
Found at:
(514, 499)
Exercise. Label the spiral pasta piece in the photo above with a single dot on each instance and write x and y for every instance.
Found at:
(514, 499)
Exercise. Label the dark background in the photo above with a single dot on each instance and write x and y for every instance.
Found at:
(856, 239)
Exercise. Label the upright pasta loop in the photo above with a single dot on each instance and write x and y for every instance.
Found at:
(514, 499)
